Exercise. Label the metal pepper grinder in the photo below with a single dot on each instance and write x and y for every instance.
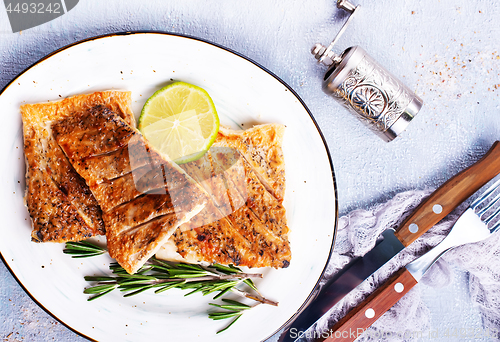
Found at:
(366, 88)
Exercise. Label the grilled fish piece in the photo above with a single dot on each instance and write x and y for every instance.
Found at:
(146, 199)
(59, 201)
(202, 171)
(252, 230)
(131, 185)
(117, 163)
(261, 147)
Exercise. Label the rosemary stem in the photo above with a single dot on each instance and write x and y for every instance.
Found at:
(256, 297)
(204, 278)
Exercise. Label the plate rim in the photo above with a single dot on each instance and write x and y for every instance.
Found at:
(205, 41)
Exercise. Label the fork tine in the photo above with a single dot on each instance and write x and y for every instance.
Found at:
(489, 205)
(492, 216)
(495, 227)
(485, 195)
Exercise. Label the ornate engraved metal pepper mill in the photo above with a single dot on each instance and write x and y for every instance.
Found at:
(364, 87)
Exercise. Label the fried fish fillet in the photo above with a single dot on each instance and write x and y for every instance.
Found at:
(261, 146)
(244, 223)
(59, 201)
(144, 196)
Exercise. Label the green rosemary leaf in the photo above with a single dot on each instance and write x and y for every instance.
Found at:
(232, 307)
(126, 282)
(234, 320)
(138, 291)
(169, 286)
(86, 255)
(191, 267)
(161, 284)
(222, 285)
(82, 249)
(176, 273)
(100, 295)
(234, 268)
(87, 243)
(250, 283)
(74, 251)
(80, 252)
(223, 292)
(226, 269)
(162, 263)
(191, 284)
(236, 303)
(98, 288)
(137, 276)
(223, 315)
(161, 275)
(117, 269)
(99, 278)
(83, 246)
(161, 268)
(132, 287)
(144, 269)
(195, 290)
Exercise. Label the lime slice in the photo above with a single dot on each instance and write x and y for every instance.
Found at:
(180, 120)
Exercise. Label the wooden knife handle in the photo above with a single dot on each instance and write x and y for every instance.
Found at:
(367, 312)
(449, 195)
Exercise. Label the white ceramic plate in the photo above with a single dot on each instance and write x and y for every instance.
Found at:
(244, 94)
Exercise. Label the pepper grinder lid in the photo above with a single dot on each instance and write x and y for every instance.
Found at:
(366, 88)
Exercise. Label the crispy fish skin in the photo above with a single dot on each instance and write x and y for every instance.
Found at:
(54, 217)
(117, 163)
(254, 233)
(202, 171)
(84, 136)
(133, 247)
(143, 207)
(261, 147)
(217, 242)
(59, 201)
(56, 194)
(72, 186)
(131, 185)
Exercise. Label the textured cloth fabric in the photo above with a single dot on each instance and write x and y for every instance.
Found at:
(357, 234)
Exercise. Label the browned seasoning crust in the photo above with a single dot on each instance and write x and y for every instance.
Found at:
(261, 147)
(60, 204)
(141, 197)
(252, 230)
(146, 202)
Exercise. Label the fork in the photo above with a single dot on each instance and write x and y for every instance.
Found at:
(478, 222)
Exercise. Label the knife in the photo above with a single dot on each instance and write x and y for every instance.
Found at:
(432, 210)
(477, 223)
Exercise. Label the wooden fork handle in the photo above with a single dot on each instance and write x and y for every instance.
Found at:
(449, 195)
(365, 314)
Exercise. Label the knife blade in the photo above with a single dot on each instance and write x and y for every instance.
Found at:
(432, 210)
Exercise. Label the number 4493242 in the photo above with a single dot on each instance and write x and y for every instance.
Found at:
(34, 7)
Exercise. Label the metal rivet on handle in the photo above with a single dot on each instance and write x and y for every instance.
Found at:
(399, 287)
(413, 228)
(346, 5)
(437, 209)
(370, 313)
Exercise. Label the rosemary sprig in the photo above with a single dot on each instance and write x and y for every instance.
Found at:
(83, 249)
(233, 309)
(161, 276)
